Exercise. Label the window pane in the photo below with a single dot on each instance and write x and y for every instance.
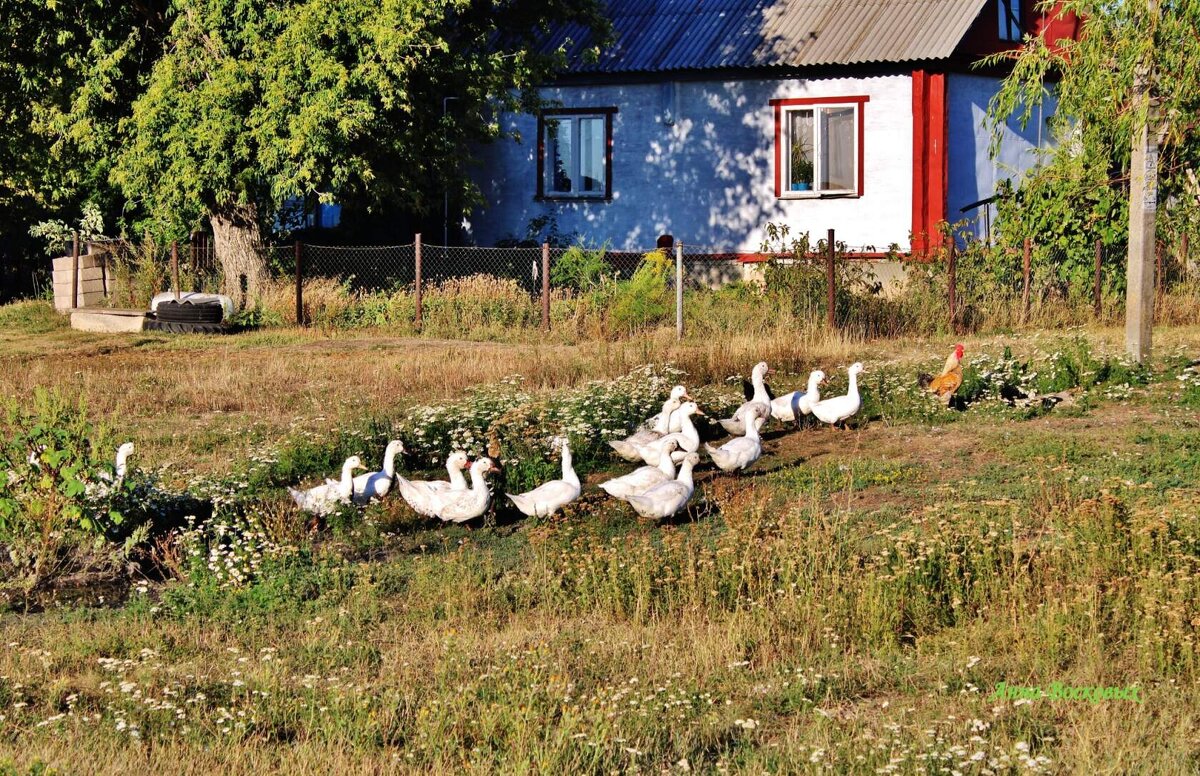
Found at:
(800, 150)
(558, 156)
(1010, 19)
(591, 155)
(837, 149)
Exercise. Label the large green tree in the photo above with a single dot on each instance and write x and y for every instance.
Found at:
(255, 102)
(69, 72)
(1125, 85)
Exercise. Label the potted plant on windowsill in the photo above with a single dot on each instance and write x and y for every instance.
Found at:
(802, 168)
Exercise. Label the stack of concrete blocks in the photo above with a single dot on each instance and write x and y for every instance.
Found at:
(93, 280)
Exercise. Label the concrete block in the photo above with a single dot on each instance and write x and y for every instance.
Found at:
(108, 321)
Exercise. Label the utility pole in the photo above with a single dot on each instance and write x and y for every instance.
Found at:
(1143, 210)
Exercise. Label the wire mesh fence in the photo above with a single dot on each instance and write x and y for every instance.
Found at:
(131, 273)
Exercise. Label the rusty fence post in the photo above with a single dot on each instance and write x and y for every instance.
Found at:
(1096, 281)
(1025, 283)
(298, 253)
(75, 271)
(175, 266)
(952, 284)
(830, 300)
(545, 286)
(417, 278)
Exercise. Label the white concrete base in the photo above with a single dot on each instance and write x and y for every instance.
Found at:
(108, 321)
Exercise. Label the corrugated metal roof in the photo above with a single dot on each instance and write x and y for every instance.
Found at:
(667, 35)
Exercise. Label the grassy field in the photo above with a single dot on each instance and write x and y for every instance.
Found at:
(850, 604)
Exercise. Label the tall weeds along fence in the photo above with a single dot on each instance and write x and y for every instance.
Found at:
(700, 288)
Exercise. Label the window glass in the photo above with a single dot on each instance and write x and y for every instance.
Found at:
(837, 149)
(800, 154)
(576, 156)
(1010, 19)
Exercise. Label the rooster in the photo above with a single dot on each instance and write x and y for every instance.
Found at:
(945, 384)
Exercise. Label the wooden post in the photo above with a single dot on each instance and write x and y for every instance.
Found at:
(831, 299)
(75, 271)
(545, 286)
(1096, 280)
(298, 252)
(417, 279)
(952, 283)
(102, 257)
(1025, 272)
(1184, 260)
(175, 266)
(679, 290)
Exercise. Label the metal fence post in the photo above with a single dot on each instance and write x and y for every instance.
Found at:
(952, 284)
(1096, 283)
(175, 267)
(545, 286)
(298, 251)
(830, 300)
(417, 278)
(75, 271)
(1025, 284)
(679, 290)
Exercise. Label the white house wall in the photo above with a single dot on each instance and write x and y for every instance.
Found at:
(697, 160)
(973, 174)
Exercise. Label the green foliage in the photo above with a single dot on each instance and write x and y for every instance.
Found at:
(49, 461)
(1082, 194)
(580, 269)
(255, 103)
(647, 298)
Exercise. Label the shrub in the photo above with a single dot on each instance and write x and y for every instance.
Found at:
(645, 299)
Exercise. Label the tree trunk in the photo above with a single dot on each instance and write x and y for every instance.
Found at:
(238, 242)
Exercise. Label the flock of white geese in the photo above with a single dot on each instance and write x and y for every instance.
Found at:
(668, 444)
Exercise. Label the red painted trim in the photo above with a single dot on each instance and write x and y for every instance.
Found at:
(938, 173)
(575, 111)
(920, 110)
(778, 158)
(541, 158)
(860, 99)
(862, 145)
(608, 155)
(608, 152)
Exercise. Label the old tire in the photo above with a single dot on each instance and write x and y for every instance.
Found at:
(205, 312)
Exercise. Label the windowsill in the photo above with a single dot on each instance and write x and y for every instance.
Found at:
(820, 195)
(573, 198)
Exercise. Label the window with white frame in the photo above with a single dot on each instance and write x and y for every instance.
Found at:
(575, 154)
(1010, 20)
(819, 149)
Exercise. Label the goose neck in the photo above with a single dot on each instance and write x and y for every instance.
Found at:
(568, 469)
(760, 387)
(389, 463)
(853, 390)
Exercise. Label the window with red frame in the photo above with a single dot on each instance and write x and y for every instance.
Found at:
(818, 147)
(575, 154)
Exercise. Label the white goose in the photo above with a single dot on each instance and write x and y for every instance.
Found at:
(377, 484)
(326, 497)
(681, 395)
(548, 498)
(627, 448)
(459, 506)
(789, 407)
(736, 425)
(667, 498)
(425, 496)
(687, 440)
(107, 482)
(741, 452)
(839, 408)
(644, 477)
